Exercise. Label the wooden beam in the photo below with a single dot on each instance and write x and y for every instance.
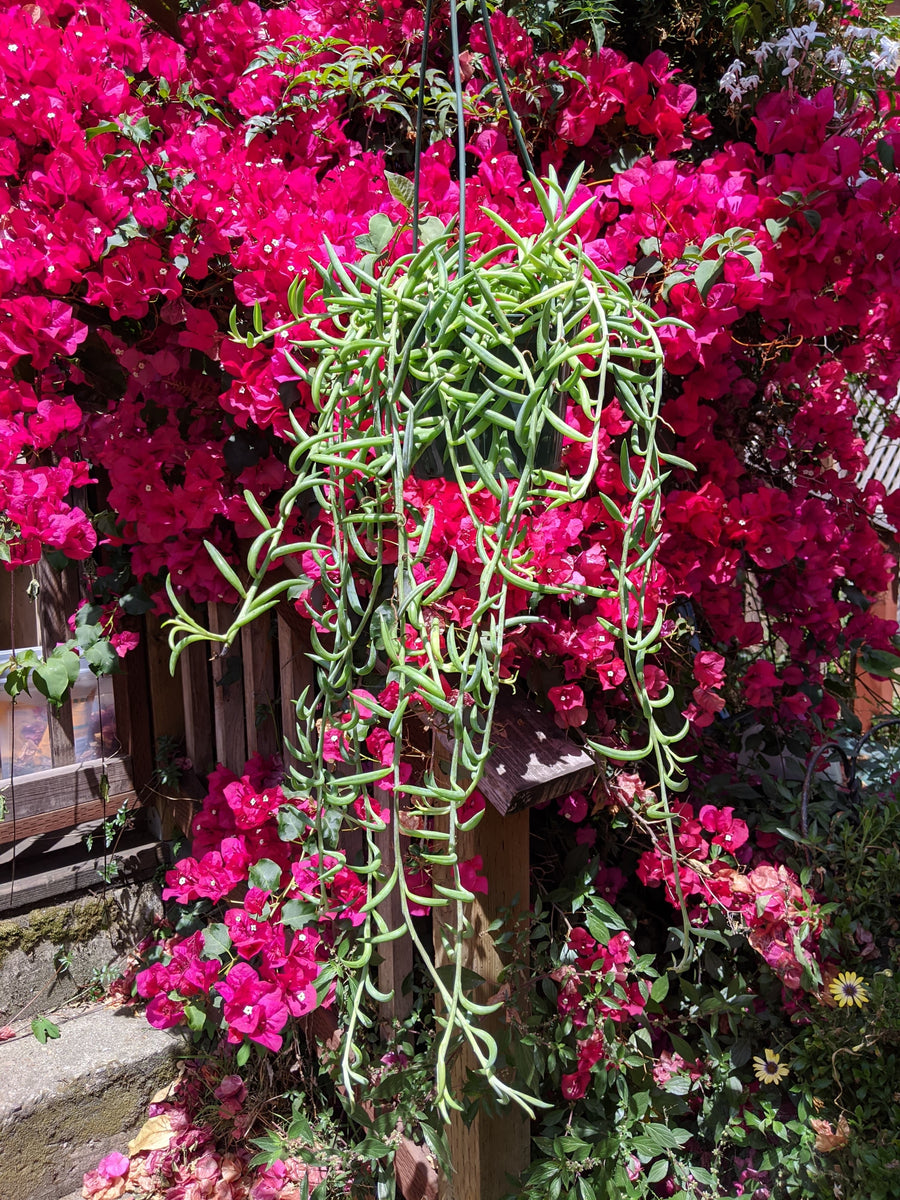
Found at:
(133, 728)
(396, 956)
(18, 610)
(166, 704)
(38, 847)
(295, 671)
(196, 684)
(63, 818)
(138, 862)
(65, 787)
(531, 761)
(57, 600)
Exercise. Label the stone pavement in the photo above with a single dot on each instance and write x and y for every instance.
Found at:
(66, 1104)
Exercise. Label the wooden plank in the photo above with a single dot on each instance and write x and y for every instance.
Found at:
(166, 703)
(138, 862)
(133, 717)
(396, 956)
(166, 715)
(258, 652)
(46, 791)
(295, 671)
(228, 695)
(52, 841)
(18, 611)
(196, 684)
(531, 761)
(488, 1152)
(57, 600)
(63, 818)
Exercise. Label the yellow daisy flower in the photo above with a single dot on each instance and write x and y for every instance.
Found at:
(849, 989)
(770, 1068)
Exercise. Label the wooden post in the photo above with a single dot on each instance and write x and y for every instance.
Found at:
(196, 683)
(491, 1152)
(165, 688)
(531, 761)
(397, 956)
(131, 691)
(176, 701)
(295, 672)
(19, 625)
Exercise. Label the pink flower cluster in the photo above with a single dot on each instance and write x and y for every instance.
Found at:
(132, 214)
(593, 988)
(782, 922)
(262, 967)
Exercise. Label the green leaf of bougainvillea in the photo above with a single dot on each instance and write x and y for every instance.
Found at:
(265, 875)
(102, 657)
(216, 941)
(293, 825)
(54, 677)
(43, 1028)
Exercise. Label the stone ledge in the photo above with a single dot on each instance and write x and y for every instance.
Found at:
(66, 1104)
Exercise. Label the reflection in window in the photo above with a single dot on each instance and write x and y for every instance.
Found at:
(27, 741)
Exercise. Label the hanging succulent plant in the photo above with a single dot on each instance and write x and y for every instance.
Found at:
(481, 364)
(476, 373)
(475, 367)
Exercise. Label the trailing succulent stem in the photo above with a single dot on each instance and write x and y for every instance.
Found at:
(478, 375)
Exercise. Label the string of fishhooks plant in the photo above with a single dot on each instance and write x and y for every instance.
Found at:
(474, 372)
(441, 366)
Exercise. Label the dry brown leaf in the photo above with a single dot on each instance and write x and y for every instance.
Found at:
(166, 1092)
(154, 1135)
(829, 1139)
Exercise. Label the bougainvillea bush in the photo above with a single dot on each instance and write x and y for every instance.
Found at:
(160, 199)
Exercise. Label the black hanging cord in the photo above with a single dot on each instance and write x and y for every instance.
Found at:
(420, 120)
(514, 121)
(460, 134)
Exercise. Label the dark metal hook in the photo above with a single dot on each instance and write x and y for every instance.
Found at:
(849, 762)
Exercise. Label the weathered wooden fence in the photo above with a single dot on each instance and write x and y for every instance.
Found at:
(242, 703)
(224, 709)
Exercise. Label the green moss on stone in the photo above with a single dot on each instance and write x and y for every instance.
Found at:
(34, 1151)
(67, 924)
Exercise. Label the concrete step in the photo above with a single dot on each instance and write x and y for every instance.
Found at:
(67, 1104)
